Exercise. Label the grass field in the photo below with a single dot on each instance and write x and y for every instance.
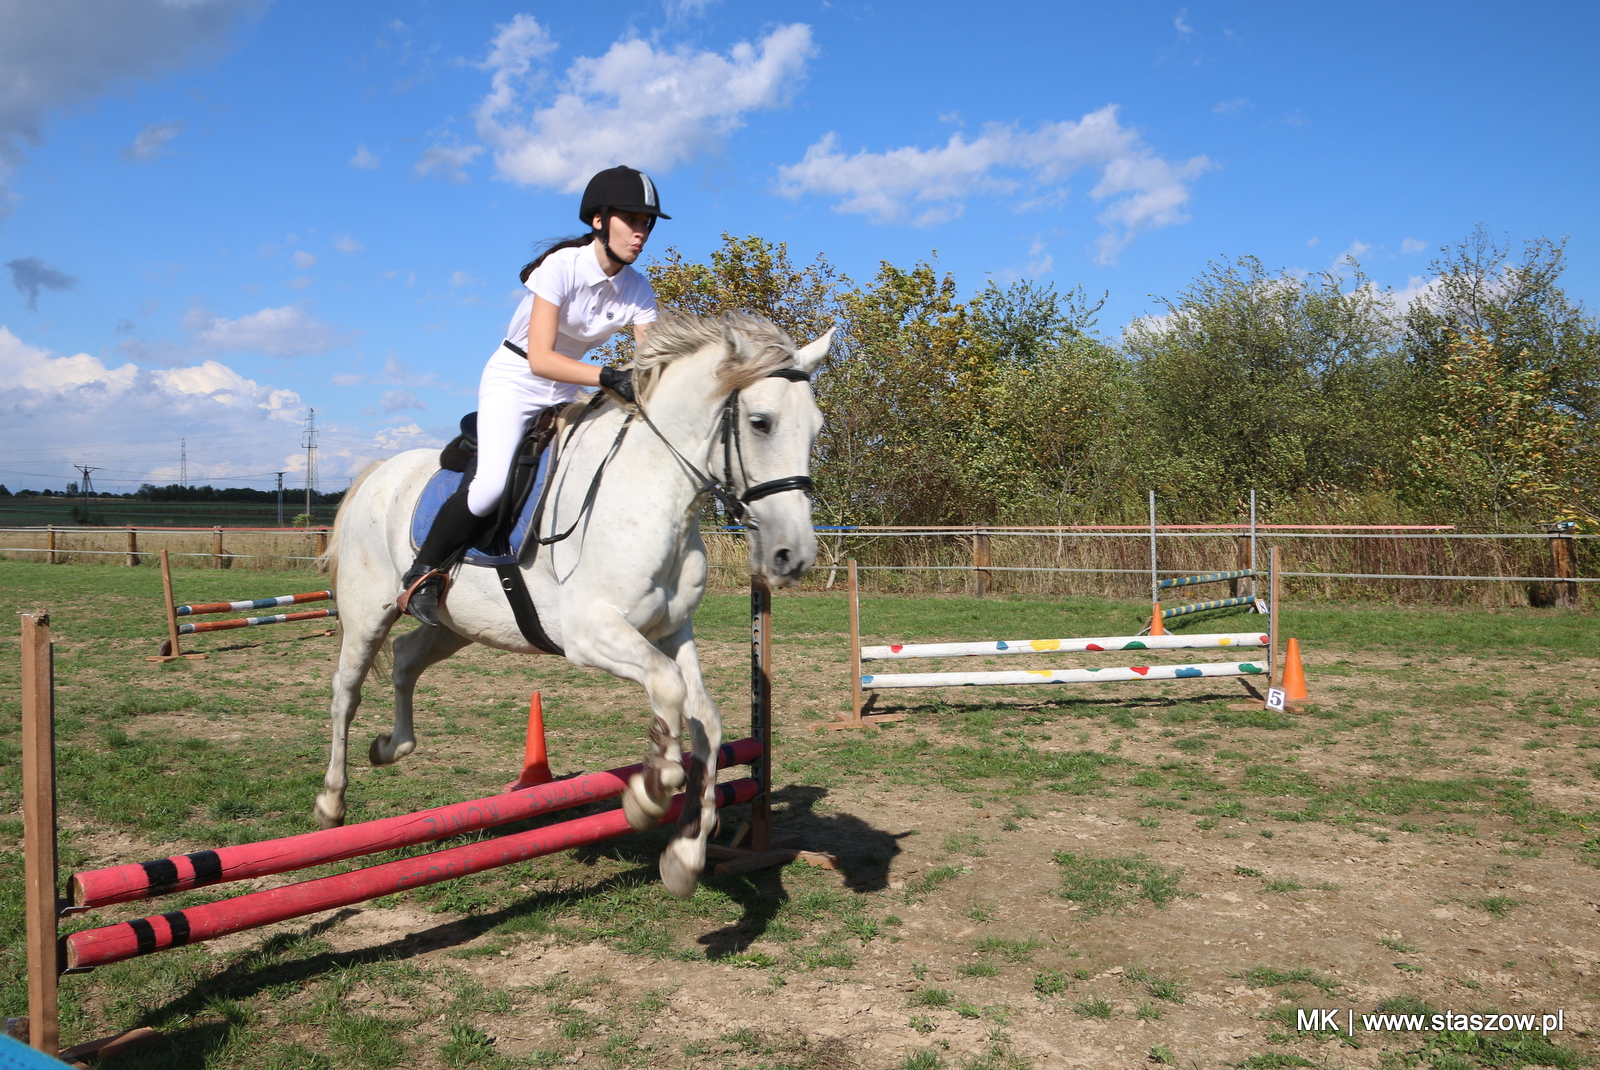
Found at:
(1113, 875)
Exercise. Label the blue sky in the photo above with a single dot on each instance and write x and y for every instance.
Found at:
(222, 213)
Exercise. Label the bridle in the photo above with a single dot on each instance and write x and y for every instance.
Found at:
(733, 447)
(736, 504)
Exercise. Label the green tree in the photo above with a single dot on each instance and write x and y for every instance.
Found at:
(899, 402)
(1274, 382)
(1519, 309)
(1497, 443)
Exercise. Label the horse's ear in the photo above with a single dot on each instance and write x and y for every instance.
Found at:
(740, 351)
(810, 356)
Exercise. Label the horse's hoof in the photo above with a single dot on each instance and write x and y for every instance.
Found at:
(673, 777)
(681, 864)
(643, 813)
(330, 813)
(384, 752)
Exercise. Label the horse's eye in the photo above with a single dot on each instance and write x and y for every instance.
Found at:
(760, 424)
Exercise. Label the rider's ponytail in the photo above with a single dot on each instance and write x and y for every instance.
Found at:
(563, 243)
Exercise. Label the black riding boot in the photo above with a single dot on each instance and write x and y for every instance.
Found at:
(453, 530)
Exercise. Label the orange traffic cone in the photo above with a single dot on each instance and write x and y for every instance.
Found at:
(1155, 621)
(535, 762)
(1294, 675)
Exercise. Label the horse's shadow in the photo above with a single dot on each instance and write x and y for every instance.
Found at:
(863, 855)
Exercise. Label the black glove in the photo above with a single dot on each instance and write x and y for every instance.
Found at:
(619, 381)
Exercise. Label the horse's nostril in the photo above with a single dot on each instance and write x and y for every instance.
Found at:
(781, 556)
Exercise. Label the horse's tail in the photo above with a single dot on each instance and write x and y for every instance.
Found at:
(328, 560)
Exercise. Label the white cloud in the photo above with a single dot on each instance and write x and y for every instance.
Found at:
(398, 400)
(289, 331)
(148, 145)
(30, 275)
(304, 261)
(1311, 243)
(1140, 190)
(347, 244)
(77, 409)
(682, 9)
(449, 161)
(408, 437)
(1412, 246)
(461, 278)
(653, 108)
(1352, 254)
(66, 52)
(364, 159)
(1181, 26)
(1417, 288)
(74, 402)
(1040, 261)
(1223, 107)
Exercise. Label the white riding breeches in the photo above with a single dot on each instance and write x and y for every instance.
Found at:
(509, 397)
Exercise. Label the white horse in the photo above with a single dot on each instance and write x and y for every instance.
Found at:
(727, 400)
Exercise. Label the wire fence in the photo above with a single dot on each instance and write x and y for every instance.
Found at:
(1430, 565)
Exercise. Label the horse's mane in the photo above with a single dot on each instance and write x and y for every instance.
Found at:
(679, 334)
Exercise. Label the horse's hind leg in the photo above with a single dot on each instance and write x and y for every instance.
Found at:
(361, 636)
(685, 856)
(413, 653)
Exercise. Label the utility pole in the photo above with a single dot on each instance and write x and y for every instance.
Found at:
(280, 498)
(86, 488)
(309, 441)
(183, 462)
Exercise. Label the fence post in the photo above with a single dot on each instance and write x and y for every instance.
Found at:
(1241, 561)
(50, 544)
(133, 547)
(981, 561)
(39, 835)
(216, 549)
(322, 541)
(1272, 619)
(1564, 562)
(855, 642)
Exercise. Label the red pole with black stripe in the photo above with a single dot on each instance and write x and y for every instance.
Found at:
(141, 880)
(114, 943)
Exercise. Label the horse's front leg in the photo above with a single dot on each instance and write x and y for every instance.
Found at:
(413, 653)
(685, 856)
(603, 638)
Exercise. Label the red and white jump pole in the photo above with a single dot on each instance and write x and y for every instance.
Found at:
(114, 943)
(141, 880)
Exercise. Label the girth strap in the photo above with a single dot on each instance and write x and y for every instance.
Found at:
(523, 609)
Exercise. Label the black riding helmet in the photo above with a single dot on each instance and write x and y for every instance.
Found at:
(620, 189)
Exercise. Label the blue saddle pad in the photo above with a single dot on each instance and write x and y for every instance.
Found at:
(445, 483)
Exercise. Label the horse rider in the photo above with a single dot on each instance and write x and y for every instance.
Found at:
(581, 291)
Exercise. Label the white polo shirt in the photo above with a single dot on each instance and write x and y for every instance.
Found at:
(593, 305)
